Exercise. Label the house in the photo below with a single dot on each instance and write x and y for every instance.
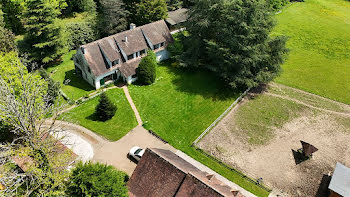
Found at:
(162, 173)
(117, 56)
(340, 182)
(176, 18)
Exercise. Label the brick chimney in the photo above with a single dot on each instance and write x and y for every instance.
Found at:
(132, 26)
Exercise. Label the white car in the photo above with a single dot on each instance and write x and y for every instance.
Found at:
(136, 152)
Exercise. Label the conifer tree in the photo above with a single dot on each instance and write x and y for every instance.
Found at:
(232, 38)
(113, 17)
(44, 33)
(105, 109)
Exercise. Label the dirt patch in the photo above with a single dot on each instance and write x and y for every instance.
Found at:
(274, 161)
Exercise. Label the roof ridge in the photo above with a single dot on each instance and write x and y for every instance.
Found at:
(112, 36)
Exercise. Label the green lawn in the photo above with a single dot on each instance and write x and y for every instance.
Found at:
(112, 129)
(319, 39)
(77, 87)
(180, 106)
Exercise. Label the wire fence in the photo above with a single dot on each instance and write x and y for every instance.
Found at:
(256, 182)
(221, 116)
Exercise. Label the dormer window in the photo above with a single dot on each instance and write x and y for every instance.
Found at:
(156, 46)
(130, 56)
(115, 62)
(162, 44)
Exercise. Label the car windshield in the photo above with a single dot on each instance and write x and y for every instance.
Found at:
(138, 151)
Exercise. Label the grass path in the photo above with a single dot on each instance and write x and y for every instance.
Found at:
(319, 40)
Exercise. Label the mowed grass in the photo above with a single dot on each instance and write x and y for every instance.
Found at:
(113, 129)
(319, 40)
(64, 72)
(180, 105)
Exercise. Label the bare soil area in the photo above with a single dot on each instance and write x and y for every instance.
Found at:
(274, 161)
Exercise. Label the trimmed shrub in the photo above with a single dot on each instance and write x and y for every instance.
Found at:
(105, 109)
(146, 72)
(96, 179)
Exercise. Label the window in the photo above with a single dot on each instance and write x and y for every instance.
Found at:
(143, 51)
(115, 62)
(134, 76)
(130, 56)
(89, 70)
(162, 44)
(156, 46)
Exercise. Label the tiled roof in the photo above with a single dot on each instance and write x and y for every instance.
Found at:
(163, 173)
(157, 32)
(130, 41)
(129, 68)
(135, 41)
(177, 16)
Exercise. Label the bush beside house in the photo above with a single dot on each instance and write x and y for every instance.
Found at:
(97, 179)
(146, 72)
(105, 109)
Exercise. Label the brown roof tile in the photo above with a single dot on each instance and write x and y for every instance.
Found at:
(157, 32)
(163, 173)
(177, 16)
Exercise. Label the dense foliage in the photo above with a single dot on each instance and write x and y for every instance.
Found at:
(53, 88)
(79, 6)
(276, 5)
(147, 11)
(105, 109)
(146, 72)
(43, 32)
(113, 17)
(97, 180)
(7, 39)
(232, 39)
(13, 13)
(80, 32)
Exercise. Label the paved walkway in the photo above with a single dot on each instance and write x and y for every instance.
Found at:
(137, 115)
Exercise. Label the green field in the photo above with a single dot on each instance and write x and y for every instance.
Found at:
(180, 105)
(77, 86)
(319, 39)
(112, 129)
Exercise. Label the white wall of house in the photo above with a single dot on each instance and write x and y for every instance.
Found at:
(162, 55)
(98, 79)
(84, 67)
(130, 80)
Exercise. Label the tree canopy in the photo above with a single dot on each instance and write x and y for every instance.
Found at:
(147, 11)
(7, 39)
(43, 32)
(232, 38)
(97, 180)
(113, 17)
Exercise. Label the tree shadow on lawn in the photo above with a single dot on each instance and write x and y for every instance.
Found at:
(77, 81)
(201, 82)
(323, 190)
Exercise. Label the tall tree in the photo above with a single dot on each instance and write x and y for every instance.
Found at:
(44, 32)
(147, 11)
(23, 106)
(114, 17)
(7, 39)
(232, 38)
(13, 10)
(146, 72)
